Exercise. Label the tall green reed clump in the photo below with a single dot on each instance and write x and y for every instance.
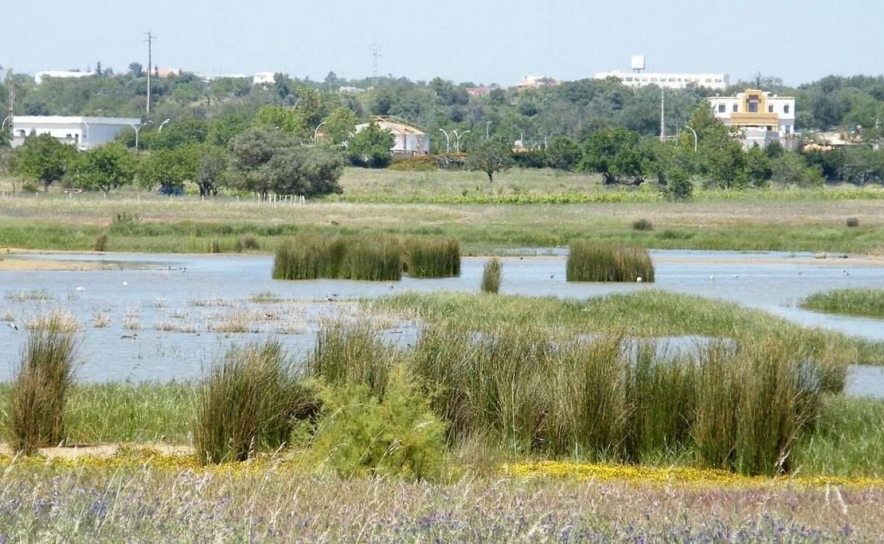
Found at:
(754, 401)
(492, 274)
(739, 407)
(309, 257)
(594, 261)
(248, 402)
(42, 382)
(376, 259)
(432, 258)
(333, 257)
(352, 353)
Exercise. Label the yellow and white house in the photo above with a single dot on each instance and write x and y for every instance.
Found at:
(760, 116)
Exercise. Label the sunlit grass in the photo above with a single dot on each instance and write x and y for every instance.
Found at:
(861, 302)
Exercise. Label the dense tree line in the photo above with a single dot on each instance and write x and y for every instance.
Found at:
(199, 130)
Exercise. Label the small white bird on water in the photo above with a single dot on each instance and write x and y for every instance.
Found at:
(638, 279)
(81, 288)
(12, 326)
(712, 277)
(125, 283)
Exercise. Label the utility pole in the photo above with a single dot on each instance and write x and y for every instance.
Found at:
(662, 115)
(150, 39)
(11, 85)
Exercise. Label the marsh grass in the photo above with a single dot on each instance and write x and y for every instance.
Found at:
(29, 294)
(601, 262)
(492, 273)
(352, 353)
(39, 395)
(862, 302)
(377, 259)
(100, 243)
(246, 403)
(265, 297)
(433, 257)
(642, 225)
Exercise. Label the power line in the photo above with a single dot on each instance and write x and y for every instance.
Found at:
(149, 40)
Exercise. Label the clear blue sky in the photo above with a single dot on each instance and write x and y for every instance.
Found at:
(478, 40)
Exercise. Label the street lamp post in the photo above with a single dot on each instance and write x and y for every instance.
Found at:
(457, 141)
(447, 140)
(162, 125)
(696, 139)
(137, 130)
(488, 130)
(85, 141)
(3, 126)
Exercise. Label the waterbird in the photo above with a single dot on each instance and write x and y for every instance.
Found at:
(329, 299)
(846, 273)
(638, 279)
(712, 277)
(125, 283)
(81, 288)
(736, 276)
(12, 326)
(132, 336)
(551, 276)
(390, 285)
(800, 272)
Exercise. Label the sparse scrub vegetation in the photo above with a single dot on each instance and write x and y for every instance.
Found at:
(642, 225)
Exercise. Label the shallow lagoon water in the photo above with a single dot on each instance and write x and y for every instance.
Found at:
(196, 290)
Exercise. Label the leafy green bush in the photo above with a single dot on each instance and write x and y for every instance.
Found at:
(642, 225)
(359, 434)
(852, 222)
(417, 163)
(100, 243)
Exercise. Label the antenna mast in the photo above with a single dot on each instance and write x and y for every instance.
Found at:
(375, 55)
(149, 40)
(11, 84)
(662, 115)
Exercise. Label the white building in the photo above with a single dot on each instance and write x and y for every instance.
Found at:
(408, 139)
(61, 74)
(264, 78)
(639, 78)
(83, 132)
(762, 117)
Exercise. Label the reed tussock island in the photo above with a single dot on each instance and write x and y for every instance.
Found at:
(369, 258)
(602, 262)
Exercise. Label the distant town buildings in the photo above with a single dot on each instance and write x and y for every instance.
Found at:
(82, 132)
(665, 80)
(409, 139)
(61, 74)
(762, 117)
(261, 78)
(533, 82)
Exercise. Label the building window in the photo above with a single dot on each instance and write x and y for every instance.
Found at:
(786, 108)
(753, 104)
(735, 108)
(721, 108)
(770, 109)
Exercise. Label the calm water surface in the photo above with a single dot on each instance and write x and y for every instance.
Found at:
(197, 292)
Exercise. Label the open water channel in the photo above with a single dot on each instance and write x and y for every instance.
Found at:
(163, 311)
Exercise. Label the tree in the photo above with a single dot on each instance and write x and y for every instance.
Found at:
(285, 119)
(614, 153)
(790, 169)
(104, 168)
(168, 169)
(211, 169)
(678, 184)
(266, 160)
(136, 69)
(44, 158)
(371, 146)
(563, 153)
(490, 156)
(340, 125)
(758, 166)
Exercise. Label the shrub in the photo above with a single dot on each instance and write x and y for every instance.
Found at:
(643, 225)
(491, 275)
(248, 401)
(417, 163)
(100, 243)
(39, 393)
(433, 258)
(28, 187)
(246, 243)
(359, 434)
(215, 246)
(593, 261)
(852, 222)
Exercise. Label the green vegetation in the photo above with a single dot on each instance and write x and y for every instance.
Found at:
(593, 261)
(432, 258)
(368, 258)
(247, 403)
(491, 275)
(39, 394)
(863, 302)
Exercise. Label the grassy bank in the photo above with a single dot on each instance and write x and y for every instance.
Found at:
(187, 225)
(861, 302)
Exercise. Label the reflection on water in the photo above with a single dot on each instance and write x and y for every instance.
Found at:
(194, 293)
